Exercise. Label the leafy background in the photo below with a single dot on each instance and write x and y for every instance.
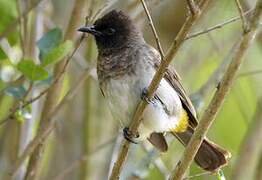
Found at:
(85, 131)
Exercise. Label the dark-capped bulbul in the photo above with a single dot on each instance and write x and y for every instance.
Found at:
(126, 65)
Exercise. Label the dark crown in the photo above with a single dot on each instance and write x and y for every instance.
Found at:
(116, 29)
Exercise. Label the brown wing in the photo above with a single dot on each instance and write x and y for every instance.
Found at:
(173, 79)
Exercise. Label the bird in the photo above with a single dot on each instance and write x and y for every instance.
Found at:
(126, 65)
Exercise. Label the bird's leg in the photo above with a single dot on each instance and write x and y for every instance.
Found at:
(129, 136)
(145, 98)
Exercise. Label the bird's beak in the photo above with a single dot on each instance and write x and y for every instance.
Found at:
(89, 29)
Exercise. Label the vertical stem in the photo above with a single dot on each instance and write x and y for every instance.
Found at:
(153, 29)
(88, 116)
(241, 12)
(219, 97)
(54, 92)
(26, 133)
(9, 146)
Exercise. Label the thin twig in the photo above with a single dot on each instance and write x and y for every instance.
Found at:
(241, 12)
(198, 96)
(138, 12)
(44, 133)
(40, 137)
(53, 93)
(192, 7)
(115, 152)
(56, 80)
(218, 99)
(153, 29)
(42, 93)
(85, 138)
(11, 27)
(20, 22)
(28, 90)
(153, 86)
(218, 26)
(199, 175)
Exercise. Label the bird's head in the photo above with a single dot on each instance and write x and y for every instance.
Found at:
(113, 30)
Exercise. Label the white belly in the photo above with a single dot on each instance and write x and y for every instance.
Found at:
(124, 95)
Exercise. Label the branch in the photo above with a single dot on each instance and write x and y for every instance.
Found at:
(241, 12)
(138, 12)
(153, 86)
(218, 26)
(56, 80)
(250, 147)
(199, 175)
(29, 50)
(40, 137)
(192, 7)
(11, 27)
(153, 29)
(61, 73)
(198, 96)
(54, 92)
(88, 94)
(218, 99)
(47, 129)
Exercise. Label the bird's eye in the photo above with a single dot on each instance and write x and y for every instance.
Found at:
(109, 31)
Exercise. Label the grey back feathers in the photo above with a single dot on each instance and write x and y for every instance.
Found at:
(124, 59)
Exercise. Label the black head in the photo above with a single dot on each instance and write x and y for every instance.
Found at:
(113, 30)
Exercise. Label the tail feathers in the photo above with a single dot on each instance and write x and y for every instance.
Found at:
(210, 156)
(158, 140)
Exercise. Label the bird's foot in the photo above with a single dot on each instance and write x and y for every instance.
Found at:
(144, 96)
(130, 136)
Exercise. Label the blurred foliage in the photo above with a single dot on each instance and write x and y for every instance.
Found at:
(49, 41)
(31, 70)
(57, 53)
(8, 15)
(16, 92)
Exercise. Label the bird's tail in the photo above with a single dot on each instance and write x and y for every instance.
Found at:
(210, 156)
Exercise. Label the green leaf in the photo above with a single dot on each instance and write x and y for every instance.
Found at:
(16, 92)
(2, 54)
(58, 53)
(220, 175)
(49, 41)
(45, 82)
(32, 71)
(8, 14)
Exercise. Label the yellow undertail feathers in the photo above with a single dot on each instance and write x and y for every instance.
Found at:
(182, 124)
